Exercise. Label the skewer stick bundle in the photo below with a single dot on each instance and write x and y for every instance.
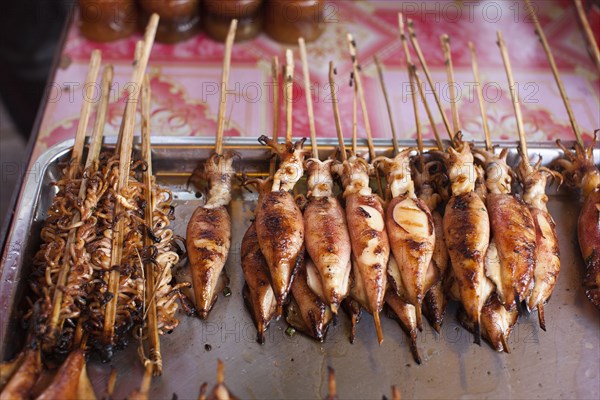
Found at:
(479, 91)
(84, 115)
(309, 103)
(361, 93)
(561, 88)
(445, 40)
(354, 114)
(589, 35)
(124, 168)
(413, 39)
(387, 104)
(336, 111)
(513, 93)
(224, 80)
(275, 82)
(416, 85)
(139, 48)
(289, 92)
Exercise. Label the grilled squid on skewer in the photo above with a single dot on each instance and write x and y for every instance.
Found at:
(404, 312)
(71, 380)
(547, 256)
(279, 222)
(430, 184)
(24, 376)
(220, 390)
(327, 239)
(209, 233)
(578, 171)
(307, 312)
(258, 293)
(466, 231)
(369, 239)
(410, 228)
(513, 232)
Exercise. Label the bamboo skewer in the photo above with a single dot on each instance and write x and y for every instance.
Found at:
(139, 47)
(421, 91)
(224, 80)
(331, 384)
(150, 292)
(415, 43)
(479, 91)
(561, 88)
(84, 115)
(336, 111)
(445, 41)
(418, 119)
(387, 104)
(361, 93)
(124, 167)
(354, 114)
(589, 35)
(415, 83)
(309, 103)
(513, 93)
(289, 93)
(275, 82)
(55, 321)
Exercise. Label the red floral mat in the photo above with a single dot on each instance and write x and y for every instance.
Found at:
(185, 77)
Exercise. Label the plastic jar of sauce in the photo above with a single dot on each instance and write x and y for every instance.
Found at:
(107, 20)
(217, 16)
(288, 20)
(179, 19)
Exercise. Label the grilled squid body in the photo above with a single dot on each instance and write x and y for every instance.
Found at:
(24, 375)
(71, 380)
(307, 312)
(467, 232)
(513, 233)
(579, 171)
(369, 239)
(279, 221)
(404, 312)
(547, 256)
(588, 231)
(430, 189)
(209, 233)
(327, 239)
(258, 293)
(409, 227)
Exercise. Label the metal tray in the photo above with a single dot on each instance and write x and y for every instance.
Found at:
(562, 362)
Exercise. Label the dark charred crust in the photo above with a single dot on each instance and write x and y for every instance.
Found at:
(460, 203)
(362, 212)
(416, 245)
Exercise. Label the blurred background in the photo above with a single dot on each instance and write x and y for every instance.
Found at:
(29, 33)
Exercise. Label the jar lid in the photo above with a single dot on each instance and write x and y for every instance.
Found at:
(232, 8)
(171, 9)
(294, 10)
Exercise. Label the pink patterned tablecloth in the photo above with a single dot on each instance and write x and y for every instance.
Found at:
(185, 77)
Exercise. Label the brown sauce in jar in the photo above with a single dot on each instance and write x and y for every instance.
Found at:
(179, 19)
(107, 20)
(288, 20)
(217, 16)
